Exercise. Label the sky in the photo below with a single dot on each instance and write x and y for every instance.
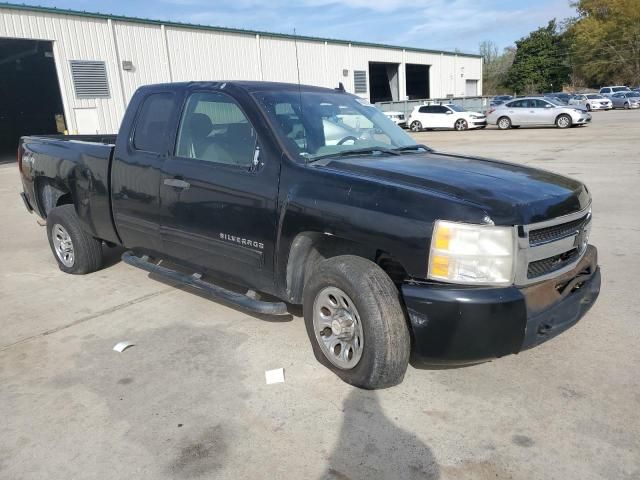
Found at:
(432, 24)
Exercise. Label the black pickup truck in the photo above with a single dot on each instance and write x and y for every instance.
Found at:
(305, 195)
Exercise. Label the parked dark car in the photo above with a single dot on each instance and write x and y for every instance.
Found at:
(499, 99)
(392, 248)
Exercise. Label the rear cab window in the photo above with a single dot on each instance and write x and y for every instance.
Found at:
(153, 122)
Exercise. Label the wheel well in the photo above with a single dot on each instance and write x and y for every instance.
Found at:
(310, 248)
(564, 115)
(50, 195)
(503, 116)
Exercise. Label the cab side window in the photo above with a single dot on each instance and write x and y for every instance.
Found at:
(214, 128)
(152, 125)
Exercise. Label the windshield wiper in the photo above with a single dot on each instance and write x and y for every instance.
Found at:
(356, 151)
(417, 146)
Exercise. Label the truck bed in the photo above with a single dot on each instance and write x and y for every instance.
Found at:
(76, 165)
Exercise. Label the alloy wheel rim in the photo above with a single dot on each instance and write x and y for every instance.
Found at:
(460, 125)
(504, 123)
(338, 328)
(563, 121)
(63, 245)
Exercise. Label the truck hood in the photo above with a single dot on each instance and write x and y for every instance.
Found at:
(510, 194)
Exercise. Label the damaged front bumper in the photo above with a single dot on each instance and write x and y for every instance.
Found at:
(456, 325)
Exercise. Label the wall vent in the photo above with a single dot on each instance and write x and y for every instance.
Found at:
(360, 81)
(90, 79)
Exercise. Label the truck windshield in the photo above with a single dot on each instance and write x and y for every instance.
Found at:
(318, 124)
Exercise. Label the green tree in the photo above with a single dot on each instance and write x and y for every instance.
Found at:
(541, 61)
(605, 41)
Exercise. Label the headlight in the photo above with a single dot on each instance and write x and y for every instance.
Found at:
(472, 254)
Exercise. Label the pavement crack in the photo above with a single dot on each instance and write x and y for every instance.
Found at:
(93, 316)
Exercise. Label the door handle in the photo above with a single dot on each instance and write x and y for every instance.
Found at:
(176, 183)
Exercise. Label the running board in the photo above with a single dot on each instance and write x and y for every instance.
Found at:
(214, 291)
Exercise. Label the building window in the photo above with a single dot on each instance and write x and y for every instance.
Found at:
(360, 81)
(90, 79)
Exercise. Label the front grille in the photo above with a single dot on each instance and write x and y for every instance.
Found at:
(556, 232)
(551, 264)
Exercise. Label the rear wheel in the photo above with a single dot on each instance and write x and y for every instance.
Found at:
(504, 123)
(626, 105)
(563, 121)
(355, 322)
(75, 251)
(461, 124)
(416, 126)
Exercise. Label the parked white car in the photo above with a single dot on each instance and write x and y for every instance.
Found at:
(397, 118)
(608, 91)
(591, 101)
(427, 117)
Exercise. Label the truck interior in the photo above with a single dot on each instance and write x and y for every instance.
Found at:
(30, 96)
(417, 81)
(383, 82)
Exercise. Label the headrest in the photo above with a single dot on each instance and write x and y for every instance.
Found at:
(200, 125)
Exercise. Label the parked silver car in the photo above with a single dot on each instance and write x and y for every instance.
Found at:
(591, 101)
(608, 91)
(537, 111)
(626, 100)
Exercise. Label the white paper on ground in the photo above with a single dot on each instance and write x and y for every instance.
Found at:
(122, 346)
(274, 376)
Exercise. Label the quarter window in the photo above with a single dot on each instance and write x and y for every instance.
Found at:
(152, 126)
(214, 128)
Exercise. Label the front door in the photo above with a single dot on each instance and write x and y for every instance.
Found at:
(218, 192)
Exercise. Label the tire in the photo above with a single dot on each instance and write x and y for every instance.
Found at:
(367, 300)
(588, 107)
(563, 121)
(461, 125)
(416, 126)
(75, 251)
(504, 123)
(626, 106)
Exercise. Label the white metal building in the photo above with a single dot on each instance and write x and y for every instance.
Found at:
(84, 67)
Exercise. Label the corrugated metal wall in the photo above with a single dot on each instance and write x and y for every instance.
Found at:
(160, 53)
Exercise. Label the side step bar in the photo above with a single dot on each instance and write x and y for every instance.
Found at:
(212, 290)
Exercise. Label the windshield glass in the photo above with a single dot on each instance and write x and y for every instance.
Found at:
(456, 108)
(620, 89)
(315, 124)
(592, 97)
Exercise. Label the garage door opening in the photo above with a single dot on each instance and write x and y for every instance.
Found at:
(29, 92)
(417, 81)
(383, 82)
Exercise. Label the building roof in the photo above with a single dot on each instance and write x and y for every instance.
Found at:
(122, 18)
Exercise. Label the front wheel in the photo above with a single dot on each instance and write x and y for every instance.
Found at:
(588, 107)
(563, 121)
(416, 126)
(461, 125)
(626, 106)
(355, 322)
(75, 251)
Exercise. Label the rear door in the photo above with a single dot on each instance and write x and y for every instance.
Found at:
(137, 163)
(218, 191)
(514, 111)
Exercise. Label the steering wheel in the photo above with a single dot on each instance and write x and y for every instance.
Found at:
(347, 138)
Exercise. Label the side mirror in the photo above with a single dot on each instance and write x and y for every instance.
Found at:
(449, 112)
(548, 106)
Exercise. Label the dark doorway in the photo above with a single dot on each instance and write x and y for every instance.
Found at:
(383, 82)
(417, 81)
(29, 92)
